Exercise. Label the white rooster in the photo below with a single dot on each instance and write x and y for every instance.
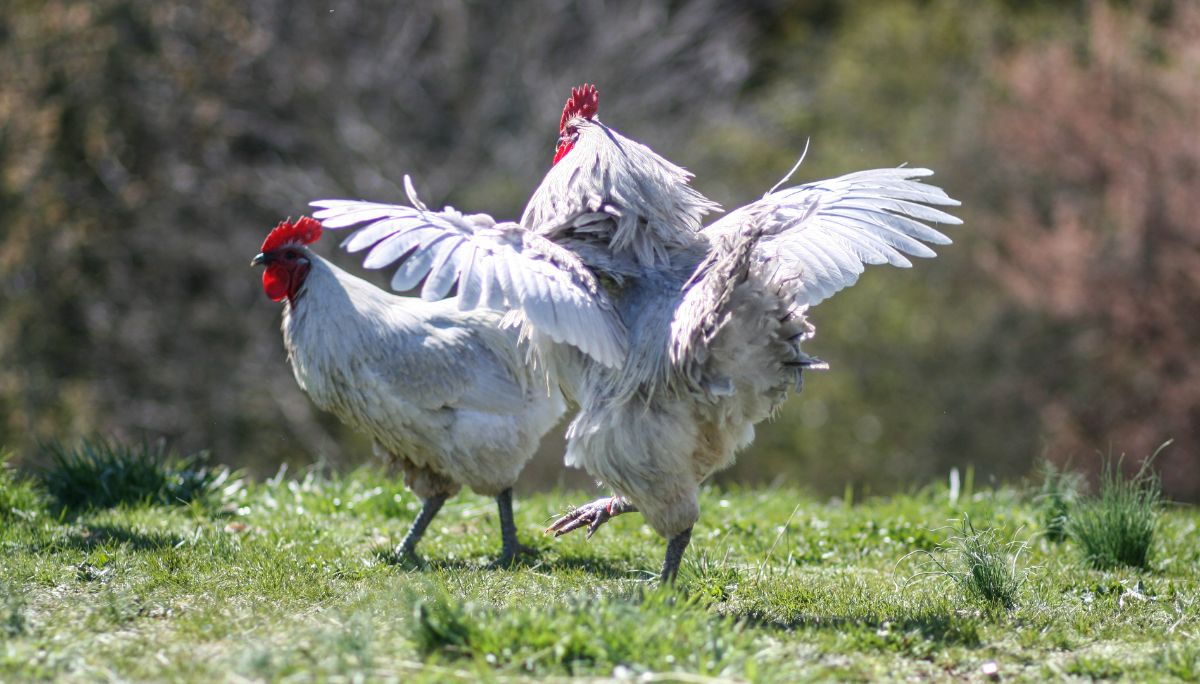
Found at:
(444, 393)
(674, 338)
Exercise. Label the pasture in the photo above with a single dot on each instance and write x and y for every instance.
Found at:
(289, 579)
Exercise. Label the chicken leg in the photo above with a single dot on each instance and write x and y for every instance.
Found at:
(675, 548)
(429, 508)
(510, 545)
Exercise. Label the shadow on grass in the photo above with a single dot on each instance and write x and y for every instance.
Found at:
(598, 567)
(89, 537)
(939, 627)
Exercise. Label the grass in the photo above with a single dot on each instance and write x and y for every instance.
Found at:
(1116, 527)
(102, 473)
(981, 566)
(1060, 489)
(278, 580)
(20, 499)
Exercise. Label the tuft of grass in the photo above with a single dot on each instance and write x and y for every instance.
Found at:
(1116, 526)
(20, 498)
(103, 473)
(653, 627)
(441, 625)
(983, 567)
(1060, 489)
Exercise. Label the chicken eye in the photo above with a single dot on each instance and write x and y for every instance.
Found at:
(292, 254)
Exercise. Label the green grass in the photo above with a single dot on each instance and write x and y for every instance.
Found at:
(1060, 490)
(982, 567)
(280, 580)
(102, 473)
(1116, 526)
(20, 498)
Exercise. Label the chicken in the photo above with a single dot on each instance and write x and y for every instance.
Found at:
(674, 338)
(445, 394)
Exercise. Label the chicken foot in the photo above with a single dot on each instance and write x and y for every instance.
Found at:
(592, 514)
(600, 511)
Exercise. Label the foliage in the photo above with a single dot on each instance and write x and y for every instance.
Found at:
(777, 587)
(102, 473)
(1116, 526)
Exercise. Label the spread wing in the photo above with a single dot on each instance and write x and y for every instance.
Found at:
(819, 236)
(496, 265)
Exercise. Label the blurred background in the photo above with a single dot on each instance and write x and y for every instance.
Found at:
(148, 146)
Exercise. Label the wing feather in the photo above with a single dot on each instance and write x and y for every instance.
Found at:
(410, 273)
(820, 235)
(499, 265)
(469, 287)
(443, 272)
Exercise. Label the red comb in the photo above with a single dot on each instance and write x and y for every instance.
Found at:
(585, 101)
(305, 231)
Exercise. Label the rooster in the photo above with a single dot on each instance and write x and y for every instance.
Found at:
(445, 394)
(673, 337)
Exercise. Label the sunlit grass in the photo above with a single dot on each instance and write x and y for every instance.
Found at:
(19, 496)
(279, 580)
(1116, 526)
(1060, 489)
(976, 562)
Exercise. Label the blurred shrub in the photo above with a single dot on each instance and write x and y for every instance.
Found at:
(1098, 237)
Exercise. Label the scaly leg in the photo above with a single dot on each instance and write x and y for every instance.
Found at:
(510, 545)
(429, 508)
(592, 514)
(675, 548)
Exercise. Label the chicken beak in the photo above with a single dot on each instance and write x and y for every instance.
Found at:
(259, 259)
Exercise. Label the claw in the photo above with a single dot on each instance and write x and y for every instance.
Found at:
(592, 515)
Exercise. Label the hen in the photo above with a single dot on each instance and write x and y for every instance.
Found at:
(446, 394)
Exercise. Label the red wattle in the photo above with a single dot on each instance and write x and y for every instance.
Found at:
(562, 151)
(275, 282)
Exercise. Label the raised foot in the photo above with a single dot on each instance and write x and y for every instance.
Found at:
(592, 515)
